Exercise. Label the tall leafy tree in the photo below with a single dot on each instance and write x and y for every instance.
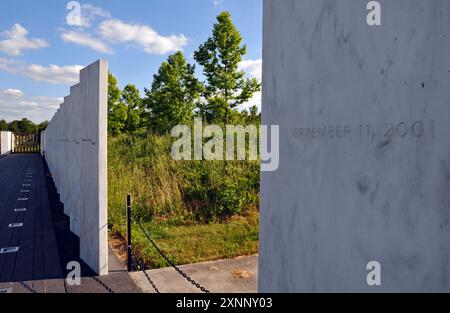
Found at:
(254, 115)
(3, 125)
(24, 126)
(42, 126)
(135, 111)
(226, 85)
(172, 98)
(117, 110)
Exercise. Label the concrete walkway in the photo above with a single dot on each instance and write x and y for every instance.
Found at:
(24, 201)
(32, 221)
(239, 275)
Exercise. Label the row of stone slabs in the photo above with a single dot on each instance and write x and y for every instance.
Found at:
(27, 243)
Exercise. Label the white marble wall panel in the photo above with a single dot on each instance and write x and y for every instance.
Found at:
(364, 170)
(75, 147)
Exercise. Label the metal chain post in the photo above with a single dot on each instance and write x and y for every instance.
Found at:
(129, 247)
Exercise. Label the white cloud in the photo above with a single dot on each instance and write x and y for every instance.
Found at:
(117, 31)
(218, 3)
(252, 67)
(29, 104)
(55, 74)
(255, 100)
(16, 41)
(12, 92)
(85, 39)
(35, 108)
(89, 13)
(5, 63)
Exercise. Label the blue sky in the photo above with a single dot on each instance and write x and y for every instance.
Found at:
(41, 54)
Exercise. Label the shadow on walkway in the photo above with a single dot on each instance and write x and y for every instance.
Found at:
(68, 243)
(29, 200)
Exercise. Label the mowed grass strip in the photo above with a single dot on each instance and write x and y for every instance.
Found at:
(197, 243)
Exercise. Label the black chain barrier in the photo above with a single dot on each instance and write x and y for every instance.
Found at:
(28, 288)
(101, 283)
(187, 277)
(97, 280)
(150, 281)
(144, 269)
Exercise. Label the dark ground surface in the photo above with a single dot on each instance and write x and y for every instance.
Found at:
(45, 242)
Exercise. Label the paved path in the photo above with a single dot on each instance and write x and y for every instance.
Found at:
(42, 236)
(239, 275)
(23, 187)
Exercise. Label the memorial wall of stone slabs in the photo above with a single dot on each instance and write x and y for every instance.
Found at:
(364, 175)
(75, 147)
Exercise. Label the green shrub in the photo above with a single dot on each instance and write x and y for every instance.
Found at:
(178, 192)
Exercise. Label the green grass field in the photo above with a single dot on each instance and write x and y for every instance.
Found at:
(195, 211)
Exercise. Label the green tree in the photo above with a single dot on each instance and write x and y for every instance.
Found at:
(172, 98)
(254, 115)
(135, 111)
(14, 127)
(3, 125)
(42, 126)
(226, 85)
(117, 110)
(24, 126)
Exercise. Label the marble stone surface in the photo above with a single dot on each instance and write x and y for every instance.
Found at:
(6, 142)
(364, 175)
(75, 147)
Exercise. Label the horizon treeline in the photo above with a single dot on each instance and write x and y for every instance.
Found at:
(23, 126)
